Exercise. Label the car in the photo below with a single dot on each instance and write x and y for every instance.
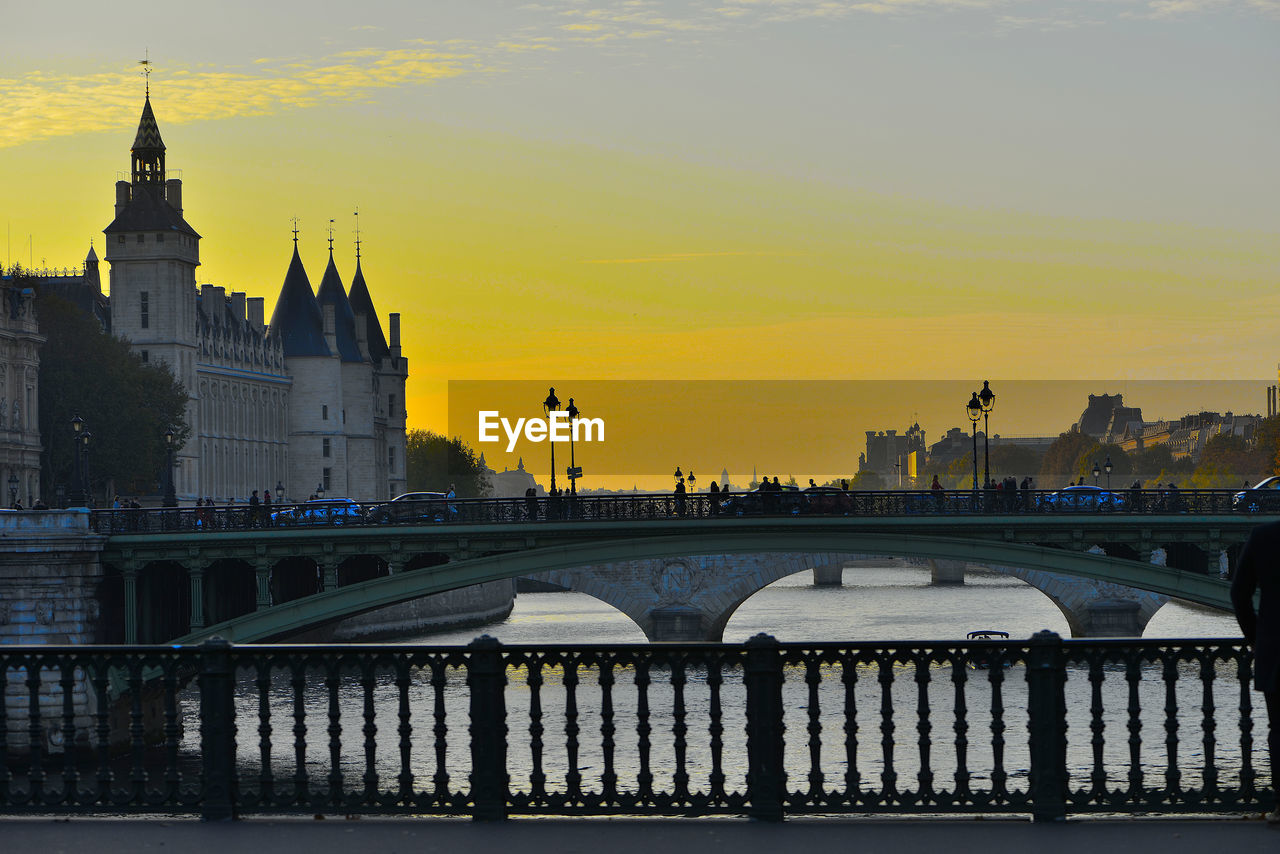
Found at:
(412, 507)
(1083, 498)
(827, 500)
(320, 511)
(1264, 496)
(764, 502)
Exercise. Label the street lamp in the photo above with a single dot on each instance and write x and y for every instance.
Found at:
(573, 467)
(13, 489)
(1106, 466)
(279, 492)
(693, 482)
(550, 405)
(987, 398)
(320, 490)
(974, 410)
(77, 496)
(1096, 471)
(170, 493)
(679, 475)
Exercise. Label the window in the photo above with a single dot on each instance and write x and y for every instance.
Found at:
(324, 447)
(324, 413)
(326, 479)
(391, 405)
(120, 240)
(142, 238)
(391, 459)
(145, 300)
(344, 416)
(146, 357)
(159, 238)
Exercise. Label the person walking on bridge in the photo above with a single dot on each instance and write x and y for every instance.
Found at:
(1259, 569)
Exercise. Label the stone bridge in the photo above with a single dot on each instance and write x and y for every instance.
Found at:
(678, 578)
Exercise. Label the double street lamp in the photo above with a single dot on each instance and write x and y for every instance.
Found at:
(1106, 466)
(80, 470)
(974, 410)
(573, 472)
(987, 400)
(550, 405)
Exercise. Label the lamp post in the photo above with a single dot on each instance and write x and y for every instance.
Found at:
(679, 475)
(573, 466)
(279, 492)
(1096, 472)
(1106, 466)
(13, 489)
(320, 489)
(77, 496)
(693, 482)
(987, 398)
(974, 410)
(550, 405)
(170, 493)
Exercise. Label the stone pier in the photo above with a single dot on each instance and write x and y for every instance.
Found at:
(50, 574)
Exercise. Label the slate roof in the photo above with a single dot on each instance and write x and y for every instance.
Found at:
(148, 211)
(148, 138)
(362, 302)
(297, 319)
(332, 293)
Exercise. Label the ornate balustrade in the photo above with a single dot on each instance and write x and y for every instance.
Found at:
(763, 729)
(896, 503)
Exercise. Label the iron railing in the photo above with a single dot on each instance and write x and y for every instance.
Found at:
(895, 503)
(762, 729)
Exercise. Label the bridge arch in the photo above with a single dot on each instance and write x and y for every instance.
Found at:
(306, 612)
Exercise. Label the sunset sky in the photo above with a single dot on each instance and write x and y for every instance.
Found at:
(734, 189)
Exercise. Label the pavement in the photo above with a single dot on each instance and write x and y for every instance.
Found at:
(863, 835)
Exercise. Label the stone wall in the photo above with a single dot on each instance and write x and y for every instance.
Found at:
(469, 606)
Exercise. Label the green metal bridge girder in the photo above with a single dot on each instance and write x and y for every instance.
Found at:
(755, 536)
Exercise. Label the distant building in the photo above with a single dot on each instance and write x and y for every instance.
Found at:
(314, 400)
(20, 447)
(892, 455)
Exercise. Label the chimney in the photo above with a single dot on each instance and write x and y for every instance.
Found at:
(330, 327)
(124, 193)
(395, 335)
(256, 312)
(214, 298)
(173, 193)
(237, 305)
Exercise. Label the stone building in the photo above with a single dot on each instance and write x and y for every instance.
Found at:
(19, 395)
(315, 400)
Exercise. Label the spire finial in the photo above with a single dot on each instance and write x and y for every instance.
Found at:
(357, 216)
(330, 238)
(295, 233)
(146, 70)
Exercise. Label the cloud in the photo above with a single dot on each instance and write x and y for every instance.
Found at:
(39, 105)
(681, 256)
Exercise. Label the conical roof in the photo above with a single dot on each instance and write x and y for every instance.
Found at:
(148, 138)
(332, 293)
(362, 302)
(297, 320)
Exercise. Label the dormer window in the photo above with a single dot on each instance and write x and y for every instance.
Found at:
(159, 238)
(142, 238)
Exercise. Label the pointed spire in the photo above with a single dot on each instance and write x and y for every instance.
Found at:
(362, 303)
(297, 320)
(332, 293)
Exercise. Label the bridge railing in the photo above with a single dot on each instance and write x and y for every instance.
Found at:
(861, 503)
(763, 729)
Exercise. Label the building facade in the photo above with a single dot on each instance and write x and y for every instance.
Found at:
(20, 446)
(314, 400)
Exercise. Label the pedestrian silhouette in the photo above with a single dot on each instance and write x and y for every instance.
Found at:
(1259, 568)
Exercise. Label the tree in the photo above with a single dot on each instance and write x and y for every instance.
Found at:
(1013, 460)
(126, 403)
(1062, 458)
(1266, 443)
(434, 462)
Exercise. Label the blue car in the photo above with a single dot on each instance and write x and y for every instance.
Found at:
(1264, 496)
(321, 511)
(1088, 499)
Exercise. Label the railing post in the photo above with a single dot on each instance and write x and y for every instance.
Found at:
(1047, 727)
(766, 777)
(217, 731)
(487, 682)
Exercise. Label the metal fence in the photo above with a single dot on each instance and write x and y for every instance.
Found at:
(824, 502)
(763, 729)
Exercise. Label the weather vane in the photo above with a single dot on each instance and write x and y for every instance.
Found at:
(330, 237)
(357, 216)
(146, 70)
(295, 232)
